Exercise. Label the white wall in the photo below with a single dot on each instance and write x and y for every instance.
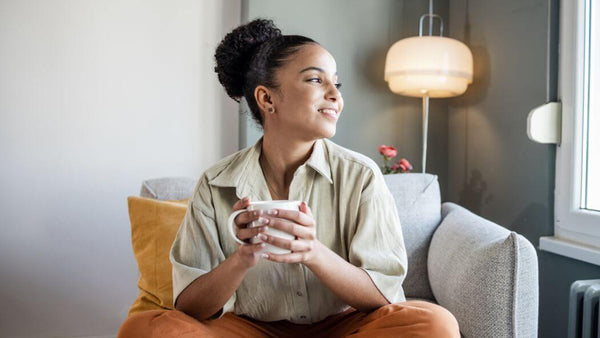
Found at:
(96, 96)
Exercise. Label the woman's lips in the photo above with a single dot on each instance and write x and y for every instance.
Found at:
(329, 113)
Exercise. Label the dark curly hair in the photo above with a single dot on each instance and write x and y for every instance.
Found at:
(248, 57)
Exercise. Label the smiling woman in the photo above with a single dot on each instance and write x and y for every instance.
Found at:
(347, 260)
(307, 99)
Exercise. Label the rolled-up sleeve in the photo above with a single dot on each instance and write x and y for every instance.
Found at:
(378, 245)
(196, 249)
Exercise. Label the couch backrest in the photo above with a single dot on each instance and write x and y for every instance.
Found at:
(168, 188)
(419, 209)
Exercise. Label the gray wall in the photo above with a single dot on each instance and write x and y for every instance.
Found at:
(358, 34)
(493, 168)
(478, 143)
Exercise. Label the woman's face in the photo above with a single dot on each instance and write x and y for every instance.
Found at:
(308, 102)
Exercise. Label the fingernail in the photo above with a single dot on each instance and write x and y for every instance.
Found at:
(245, 199)
(272, 212)
(262, 237)
(264, 256)
(264, 229)
(263, 220)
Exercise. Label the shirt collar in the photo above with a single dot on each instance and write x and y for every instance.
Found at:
(245, 174)
(319, 160)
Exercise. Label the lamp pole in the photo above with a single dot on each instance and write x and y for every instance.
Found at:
(425, 119)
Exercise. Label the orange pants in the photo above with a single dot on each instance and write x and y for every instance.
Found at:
(412, 318)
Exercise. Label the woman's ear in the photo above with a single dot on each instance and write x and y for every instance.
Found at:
(263, 98)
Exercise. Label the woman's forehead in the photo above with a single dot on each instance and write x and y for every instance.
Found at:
(313, 57)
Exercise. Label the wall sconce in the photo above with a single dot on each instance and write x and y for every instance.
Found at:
(428, 66)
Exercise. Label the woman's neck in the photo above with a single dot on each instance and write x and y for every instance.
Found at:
(281, 157)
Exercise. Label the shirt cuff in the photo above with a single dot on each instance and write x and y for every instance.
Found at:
(389, 286)
(183, 276)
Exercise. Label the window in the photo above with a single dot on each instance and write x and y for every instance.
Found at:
(577, 194)
(591, 118)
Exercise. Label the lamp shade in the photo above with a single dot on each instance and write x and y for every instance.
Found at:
(429, 65)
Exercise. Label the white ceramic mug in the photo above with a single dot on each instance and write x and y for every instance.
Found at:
(265, 205)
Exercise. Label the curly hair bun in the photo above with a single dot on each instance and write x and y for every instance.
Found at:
(235, 51)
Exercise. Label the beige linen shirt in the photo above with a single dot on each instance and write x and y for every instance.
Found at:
(355, 217)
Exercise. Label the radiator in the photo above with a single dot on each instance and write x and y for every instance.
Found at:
(583, 309)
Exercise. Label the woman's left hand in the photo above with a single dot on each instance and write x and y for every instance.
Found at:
(301, 224)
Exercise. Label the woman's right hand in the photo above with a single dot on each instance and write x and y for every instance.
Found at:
(248, 252)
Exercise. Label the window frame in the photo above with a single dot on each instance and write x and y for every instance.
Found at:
(576, 231)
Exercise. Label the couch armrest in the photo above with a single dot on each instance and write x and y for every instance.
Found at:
(486, 275)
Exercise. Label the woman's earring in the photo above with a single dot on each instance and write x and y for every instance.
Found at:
(271, 110)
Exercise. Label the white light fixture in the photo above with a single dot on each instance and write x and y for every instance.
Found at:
(429, 66)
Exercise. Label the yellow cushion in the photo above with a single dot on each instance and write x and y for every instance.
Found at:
(154, 225)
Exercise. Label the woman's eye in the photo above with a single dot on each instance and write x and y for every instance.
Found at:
(316, 79)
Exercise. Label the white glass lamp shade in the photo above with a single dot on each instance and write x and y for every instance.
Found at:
(432, 65)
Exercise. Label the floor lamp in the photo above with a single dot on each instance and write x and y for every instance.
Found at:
(428, 67)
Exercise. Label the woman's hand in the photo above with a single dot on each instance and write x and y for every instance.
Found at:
(248, 252)
(305, 248)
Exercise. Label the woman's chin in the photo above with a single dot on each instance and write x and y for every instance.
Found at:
(330, 132)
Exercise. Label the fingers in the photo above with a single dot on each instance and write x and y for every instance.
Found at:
(293, 245)
(244, 218)
(306, 209)
(248, 217)
(241, 204)
(247, 233)
(250, 249)
(295, 257)
(293, 215)
(300, 231)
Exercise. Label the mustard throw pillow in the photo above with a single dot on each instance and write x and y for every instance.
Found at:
(154, 225)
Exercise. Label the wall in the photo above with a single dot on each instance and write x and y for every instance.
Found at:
(96, 96)
(493, 168)
(358, 34)
(478, 143)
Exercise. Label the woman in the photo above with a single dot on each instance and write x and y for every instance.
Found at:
(347, 262)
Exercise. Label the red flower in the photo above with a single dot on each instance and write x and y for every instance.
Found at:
(401, 166)
(388, 151)
(404, 165)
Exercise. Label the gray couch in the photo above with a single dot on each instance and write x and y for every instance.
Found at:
(486, 275)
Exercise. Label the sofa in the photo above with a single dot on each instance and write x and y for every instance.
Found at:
(486, 275)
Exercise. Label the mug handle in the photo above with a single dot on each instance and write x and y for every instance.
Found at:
(231, 225)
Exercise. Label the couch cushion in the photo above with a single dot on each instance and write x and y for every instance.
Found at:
(419, 209)
(154, 225)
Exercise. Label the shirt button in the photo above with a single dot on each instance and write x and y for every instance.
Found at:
(303, 317)
(299, 293)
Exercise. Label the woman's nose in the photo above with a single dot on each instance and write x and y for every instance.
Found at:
(333, 93)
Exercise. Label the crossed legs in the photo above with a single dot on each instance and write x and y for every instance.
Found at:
(412, 318)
